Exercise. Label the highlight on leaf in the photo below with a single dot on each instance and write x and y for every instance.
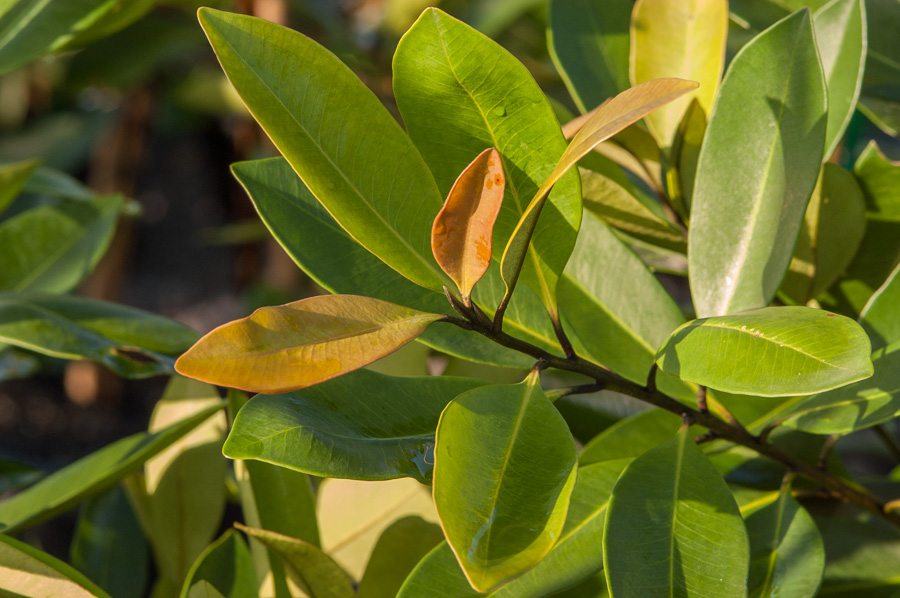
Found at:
(292, 346)
(463, 230)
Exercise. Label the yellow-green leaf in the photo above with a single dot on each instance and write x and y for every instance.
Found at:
(678, 39)
(463, 230)
(292, 346)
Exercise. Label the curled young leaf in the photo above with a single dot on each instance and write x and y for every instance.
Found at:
(292, 346)
(463, 229)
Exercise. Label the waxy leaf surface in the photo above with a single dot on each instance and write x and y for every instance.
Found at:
(678, 39)
(362, 425)
(504, 471)
(769, 352)
(292, 346)
(27, 571)
(673, 528)
(336, 134)
(463, 230)
(757, 169)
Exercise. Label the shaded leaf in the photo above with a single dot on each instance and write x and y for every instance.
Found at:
(880, 181)
(862, 556)
(362, 425)
(504, 471)
(13, 177)
(631, 437)
(673, 527)
(462, 231)
(880, 316)
(747, 208)
(399, 548)
(28, 571)
(225, 567)
(684, 155)
(292, 346)
(774, 351)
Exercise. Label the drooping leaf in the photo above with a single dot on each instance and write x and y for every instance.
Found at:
(673, 528)
(833, 228)
(90, 475)
(400, 547)
(631, 437)
(504, 471)
(507, 111)
(880, 316)
(463, 230)
(747, 206)
(337, 263)
(322, 119)
(880, 181)
(130, 342)
(841, 37)
(28, 571)
(292, 346)
(786, 552)
(52, 248)
(602, 123)
(862, 556)
(313, 570)
(362, 425)
(109, 546)
(678, 39)
(13, 177)
(223, 569)
(769, 352)
(588, 43)
(353, 515)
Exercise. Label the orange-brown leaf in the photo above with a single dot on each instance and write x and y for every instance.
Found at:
(462, 232)
(292, 346)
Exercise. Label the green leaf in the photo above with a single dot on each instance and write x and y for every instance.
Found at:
(841, 36)
(588, 43)
(863, 556)
(880, 181)
(400, 547)
(337, 263)
(13, 177)
(769, 352)
(307, 565)
(673, 528)
(832, 230)
(109, 546)
(180, 498)
(678, 39)
(15, 475)
(438, 574)
(488, 99)
(322, 119)
(52, 248)
(787, 557)
(91, 475)
(363, 425)
(685, 152)
(223, 569)
(128, 341)
(631, 437)
(28, 571)
(748, 206)
(49, 182)
(504, 471)
(880, 316)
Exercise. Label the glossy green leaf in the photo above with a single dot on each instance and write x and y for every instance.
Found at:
(833, 228)
(631, 437)
(313, 570)
(673, 528)
(13, 177)
(787, 557)
(489, 99)
(841, 38)
(362, 425)
(678, 39)
(747, 206)
(769, 352)
(880, 181)
(880, 316)
(438, 574)
(109, 546)
(588, 43)
(223, 569)
(27, 571)
(180, 498)
(863, 556)
(92, 474)
(299, 344)
(337, 263)
(400, 547)
(504, 471)
(52, 248)
(322, 119)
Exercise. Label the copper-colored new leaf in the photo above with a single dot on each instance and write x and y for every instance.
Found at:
(462, 231)
(292, 346)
